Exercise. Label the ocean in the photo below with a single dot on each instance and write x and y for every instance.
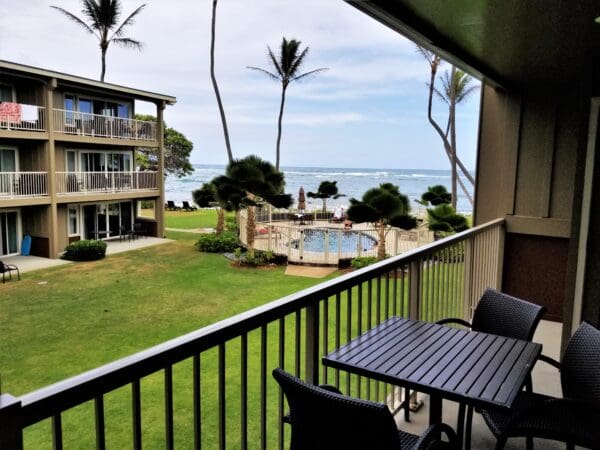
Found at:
(351, 182)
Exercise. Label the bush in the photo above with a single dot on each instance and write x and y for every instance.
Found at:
(260, 258)
(215, 243)
(85, 250)
(231, 224)
(363, 261)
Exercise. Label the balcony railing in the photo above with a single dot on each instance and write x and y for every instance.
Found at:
(229, 362)
(104, 182)
(23, 184)
(19, 116)
(95, 125)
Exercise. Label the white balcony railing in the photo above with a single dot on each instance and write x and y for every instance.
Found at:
(23, 184)
(95, 125)
(18, 116)
(108, 182)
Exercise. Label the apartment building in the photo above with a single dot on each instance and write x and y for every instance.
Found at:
(68, 160)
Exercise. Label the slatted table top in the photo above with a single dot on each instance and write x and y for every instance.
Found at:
(475, 368)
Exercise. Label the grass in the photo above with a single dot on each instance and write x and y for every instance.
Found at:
(59, 322)
(202, 218)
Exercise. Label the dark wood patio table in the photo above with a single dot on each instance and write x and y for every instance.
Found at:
(478, 369)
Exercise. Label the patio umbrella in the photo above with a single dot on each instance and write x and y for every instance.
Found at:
(301, 199)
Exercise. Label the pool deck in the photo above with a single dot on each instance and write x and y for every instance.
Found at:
(282, 233)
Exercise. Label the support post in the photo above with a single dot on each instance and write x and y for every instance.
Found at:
(11, 434)
(160, 140)
(311, 362)
(53, 250)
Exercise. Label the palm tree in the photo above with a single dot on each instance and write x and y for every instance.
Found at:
(327, 189)
(443, 218)
(206, 197)
(215, 85)
(287, 69)
(103, 17)
(457, 87)
(246, 182)
(383, 206)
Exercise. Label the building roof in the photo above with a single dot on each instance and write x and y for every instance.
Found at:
(509, 42)
(8, 66)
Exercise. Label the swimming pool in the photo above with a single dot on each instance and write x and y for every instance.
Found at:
(314, 240)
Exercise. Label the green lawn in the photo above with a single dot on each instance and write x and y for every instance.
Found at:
(59, 322)
(202, 218)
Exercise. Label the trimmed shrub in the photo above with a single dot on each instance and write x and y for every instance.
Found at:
(85, 250)
(214, 243)
(231, 224)
(363, 261)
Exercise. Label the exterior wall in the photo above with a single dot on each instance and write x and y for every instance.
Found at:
(63, 230)
(35, 221)
(27, 91)
(529, 148)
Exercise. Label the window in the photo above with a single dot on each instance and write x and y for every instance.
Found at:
(7, 93)
(73, 221)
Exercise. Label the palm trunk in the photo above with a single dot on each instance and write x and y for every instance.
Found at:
(250, 226)
(220, 220)
(381, 243)
(214, 82)
(452, 117)
(279, 125)
(103, 51)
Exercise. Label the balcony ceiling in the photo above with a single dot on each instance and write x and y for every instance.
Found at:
(510, 42)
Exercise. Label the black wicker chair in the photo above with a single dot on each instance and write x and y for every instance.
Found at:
(9, 269)
(575, 418)
(503, 315)
(324, 419)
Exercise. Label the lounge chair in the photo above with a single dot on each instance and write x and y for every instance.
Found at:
(9, 269)
(323, 419)
(188, 207)
(171, 206)
(337, 217)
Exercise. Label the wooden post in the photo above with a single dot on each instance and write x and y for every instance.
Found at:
(311, 361)
(160, 140)
(11, 434)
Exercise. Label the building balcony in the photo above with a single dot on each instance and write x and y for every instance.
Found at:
(225, 368)
(22, 117)
(76, 123)
(86, 183)
(17, 185)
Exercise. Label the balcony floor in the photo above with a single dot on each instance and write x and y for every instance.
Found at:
(545, 379)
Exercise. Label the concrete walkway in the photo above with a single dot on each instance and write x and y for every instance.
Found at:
(192, 230)
(31, 263)
(309, 271)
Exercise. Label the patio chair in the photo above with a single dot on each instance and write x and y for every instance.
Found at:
(573, 419)
(188, 207)
(503, 315)
(138, 230)
(9, 269)
(171, 206)
(324, 419)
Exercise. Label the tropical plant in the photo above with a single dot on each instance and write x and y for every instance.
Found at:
(327, 189)
(214, 82)
(443, 219)
(383, 206)
(247, 182)
(435, 195)
(103, 17)
(85, 250)
(217, 243)
(206, 197)
(457, 86)
(177, 150)
(286, 70)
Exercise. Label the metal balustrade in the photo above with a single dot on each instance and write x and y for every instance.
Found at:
(96, 125)
(20, 116)
(104, 182)
(229, 362)
(23, 184)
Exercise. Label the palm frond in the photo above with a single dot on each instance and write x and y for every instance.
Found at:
(266, 72)
(441, 96)
(92, 11)
(128, 43)
(128, 21)
(75, 19)
(296, 63)
(275, 63)
(312, 72)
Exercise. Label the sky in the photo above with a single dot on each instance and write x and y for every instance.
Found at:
(368, 110)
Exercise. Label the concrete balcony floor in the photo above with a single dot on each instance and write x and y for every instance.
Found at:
(546, 380)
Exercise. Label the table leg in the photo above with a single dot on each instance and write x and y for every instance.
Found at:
(435, 409)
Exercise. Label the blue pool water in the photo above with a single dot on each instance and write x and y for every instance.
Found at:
(314, 241)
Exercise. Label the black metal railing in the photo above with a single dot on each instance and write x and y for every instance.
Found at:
(218, 378)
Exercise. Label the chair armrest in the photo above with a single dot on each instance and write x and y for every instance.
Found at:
(330, 388)
(551, 361)
(583, 406)
(454, 320)
(432, 434)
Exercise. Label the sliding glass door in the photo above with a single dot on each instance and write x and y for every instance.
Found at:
(9, 233)
(105, 220)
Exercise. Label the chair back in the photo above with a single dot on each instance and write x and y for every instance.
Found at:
(505, 315)
(324, 420)
(580, 368)
(3, 267)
